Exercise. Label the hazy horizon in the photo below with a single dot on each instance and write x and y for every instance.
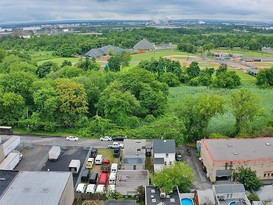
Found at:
(17, 11)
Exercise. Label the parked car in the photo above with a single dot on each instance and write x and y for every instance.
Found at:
(93, 178)
(99, 159)
(116, 152)
(115, 145)
(81, 188)
(106, 138)
(94, 153)
(100, 188)
(72, 138)
(119, 138)
(90, 163)
(178, 156)
(91, 188)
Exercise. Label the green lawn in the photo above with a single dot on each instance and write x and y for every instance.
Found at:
(107, 154)
(243, 52)
(136, 58)
(224, 123)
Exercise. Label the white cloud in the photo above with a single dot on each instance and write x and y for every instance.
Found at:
(38, 10)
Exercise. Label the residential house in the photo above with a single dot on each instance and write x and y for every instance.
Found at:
(265, 193)
(163, 153)
(134, 154)
(227, 193)
(105, 51)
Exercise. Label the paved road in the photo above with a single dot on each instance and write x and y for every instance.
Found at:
(201, 182)
(60, 141)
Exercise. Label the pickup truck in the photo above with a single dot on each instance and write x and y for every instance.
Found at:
(105, 166)
(115, 145)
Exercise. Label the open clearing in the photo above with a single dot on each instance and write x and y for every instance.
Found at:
(243, 52)
(263, 65)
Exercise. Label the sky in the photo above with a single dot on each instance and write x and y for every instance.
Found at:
(14, 11)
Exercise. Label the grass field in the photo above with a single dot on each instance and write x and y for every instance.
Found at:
(243, 52)
(224, 124)
(59, 61)
(154, 54)
(107, 154)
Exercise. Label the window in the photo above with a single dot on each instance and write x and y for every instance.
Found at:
(264, 175)
(272, 174)
(138, 150)
(167, 155)
(268, 174)
(165, 163)
(170, 162)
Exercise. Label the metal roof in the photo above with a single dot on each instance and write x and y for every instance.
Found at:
(134, 147)
(164, 146)
(33, 188)
(206, 197)
(144, 45)
(229, 188)
(243, 149)
(133, 161)
(158, 160)
(152, 197)
(97, 52)
(6, 177)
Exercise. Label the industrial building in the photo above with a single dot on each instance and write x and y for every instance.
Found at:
(43, 188)
(220, 157)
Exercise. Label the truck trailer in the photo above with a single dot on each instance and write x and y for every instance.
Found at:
(11, 161)
(54, 153)
(11, 144)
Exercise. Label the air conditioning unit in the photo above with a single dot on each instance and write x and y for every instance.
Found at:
(221, 198)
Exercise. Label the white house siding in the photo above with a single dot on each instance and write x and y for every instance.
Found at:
(169, 160)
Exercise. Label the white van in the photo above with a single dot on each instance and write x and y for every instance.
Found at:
(112, 178)
(100, 188)
(99, 159)
(91, 188)
(114, 168)
(81, 188)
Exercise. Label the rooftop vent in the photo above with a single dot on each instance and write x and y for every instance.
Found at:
(2, 179)
(235, 153)
(153, 191)
(229, 145)
(154, 200)
(267, 144)
(165, 140)
(172, 200)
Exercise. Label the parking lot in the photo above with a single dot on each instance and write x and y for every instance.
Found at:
(67, 154)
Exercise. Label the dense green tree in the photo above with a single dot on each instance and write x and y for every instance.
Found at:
(246, 106)
(176, 175)
(186, 47)
(265, 78)
(248, 178)
(229, 80)
(12, 107)
(66, 63)
(222, 69)
(44, 69)
(3, 54)
(196, 112)
(119, 60)
(118, 105)
(88, 64)
(193, 70)
(73, 102)
(170, 79)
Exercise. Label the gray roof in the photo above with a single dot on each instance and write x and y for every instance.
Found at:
(239, 149)
(7, 177)
(164, 146)
(144, 45)
(33, 188)
(229, 188)
(265, 193)
(128, 180)
(158, 160)
(152, 197)
(123, 202)
(134, 147)
(97, 52)
(206, 197)
(257, 203)
(223, 173)
(133, 161)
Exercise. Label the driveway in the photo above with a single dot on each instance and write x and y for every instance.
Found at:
(201, 182)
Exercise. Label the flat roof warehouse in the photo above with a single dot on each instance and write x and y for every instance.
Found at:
(250, 149)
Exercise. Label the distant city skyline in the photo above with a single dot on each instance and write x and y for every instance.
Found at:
(13, 11)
